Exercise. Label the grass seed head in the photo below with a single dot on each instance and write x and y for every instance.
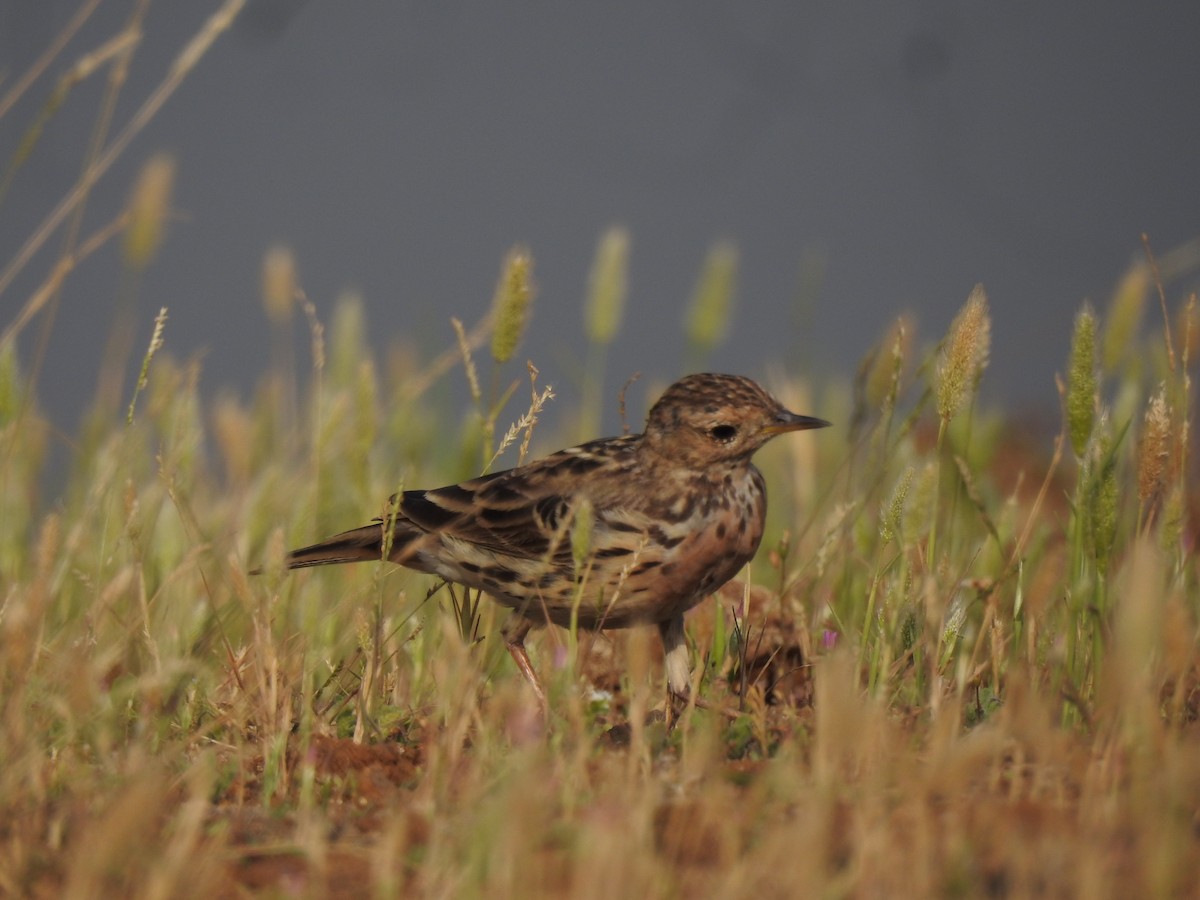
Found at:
(712, 302)
(348, 345)
(279, 283)
(887, 365)
(156, 342)
(581, 533)
(892, 515)
(1081, 381)
(608, 285)
(1154, 450)
(964, 354)
(149, 205)
(510, 306)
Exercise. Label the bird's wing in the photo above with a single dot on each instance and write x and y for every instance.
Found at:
(525, 512)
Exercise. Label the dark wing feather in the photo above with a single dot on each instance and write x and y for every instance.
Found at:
(520, 512)
(507, 522)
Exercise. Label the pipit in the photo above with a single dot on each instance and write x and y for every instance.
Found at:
(616, 532)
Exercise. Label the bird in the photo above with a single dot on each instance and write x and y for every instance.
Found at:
(614, 533)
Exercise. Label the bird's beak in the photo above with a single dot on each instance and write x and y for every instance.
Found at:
(789, 421)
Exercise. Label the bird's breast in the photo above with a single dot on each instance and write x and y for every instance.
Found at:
(686, 545)
(722, 534)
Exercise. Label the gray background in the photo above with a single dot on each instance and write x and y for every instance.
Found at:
(915, 148)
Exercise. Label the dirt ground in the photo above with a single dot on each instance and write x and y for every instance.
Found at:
(366, 784)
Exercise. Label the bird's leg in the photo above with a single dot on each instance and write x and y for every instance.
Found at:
(675, 658)
(675, 651)
(679, 679)
(514, 631)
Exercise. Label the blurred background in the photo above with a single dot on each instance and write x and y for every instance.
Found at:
(865, 159)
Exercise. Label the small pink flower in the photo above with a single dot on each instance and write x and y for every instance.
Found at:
(829, 639)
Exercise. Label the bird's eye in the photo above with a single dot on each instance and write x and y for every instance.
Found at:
(722, 433)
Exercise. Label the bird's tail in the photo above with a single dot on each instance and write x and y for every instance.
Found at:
(357, 545)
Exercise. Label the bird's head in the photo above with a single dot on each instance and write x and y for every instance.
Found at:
(705, 419)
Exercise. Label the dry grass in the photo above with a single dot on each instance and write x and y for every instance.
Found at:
(1014, 717)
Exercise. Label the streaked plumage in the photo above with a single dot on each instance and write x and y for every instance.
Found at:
(675, 512)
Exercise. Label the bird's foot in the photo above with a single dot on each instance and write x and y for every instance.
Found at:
(679, 701)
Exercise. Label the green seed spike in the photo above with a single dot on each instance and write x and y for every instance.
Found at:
(581, 533)
(892, 513)
(708, 315)
(1081, 381)
(608, 285)
(510, 306)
